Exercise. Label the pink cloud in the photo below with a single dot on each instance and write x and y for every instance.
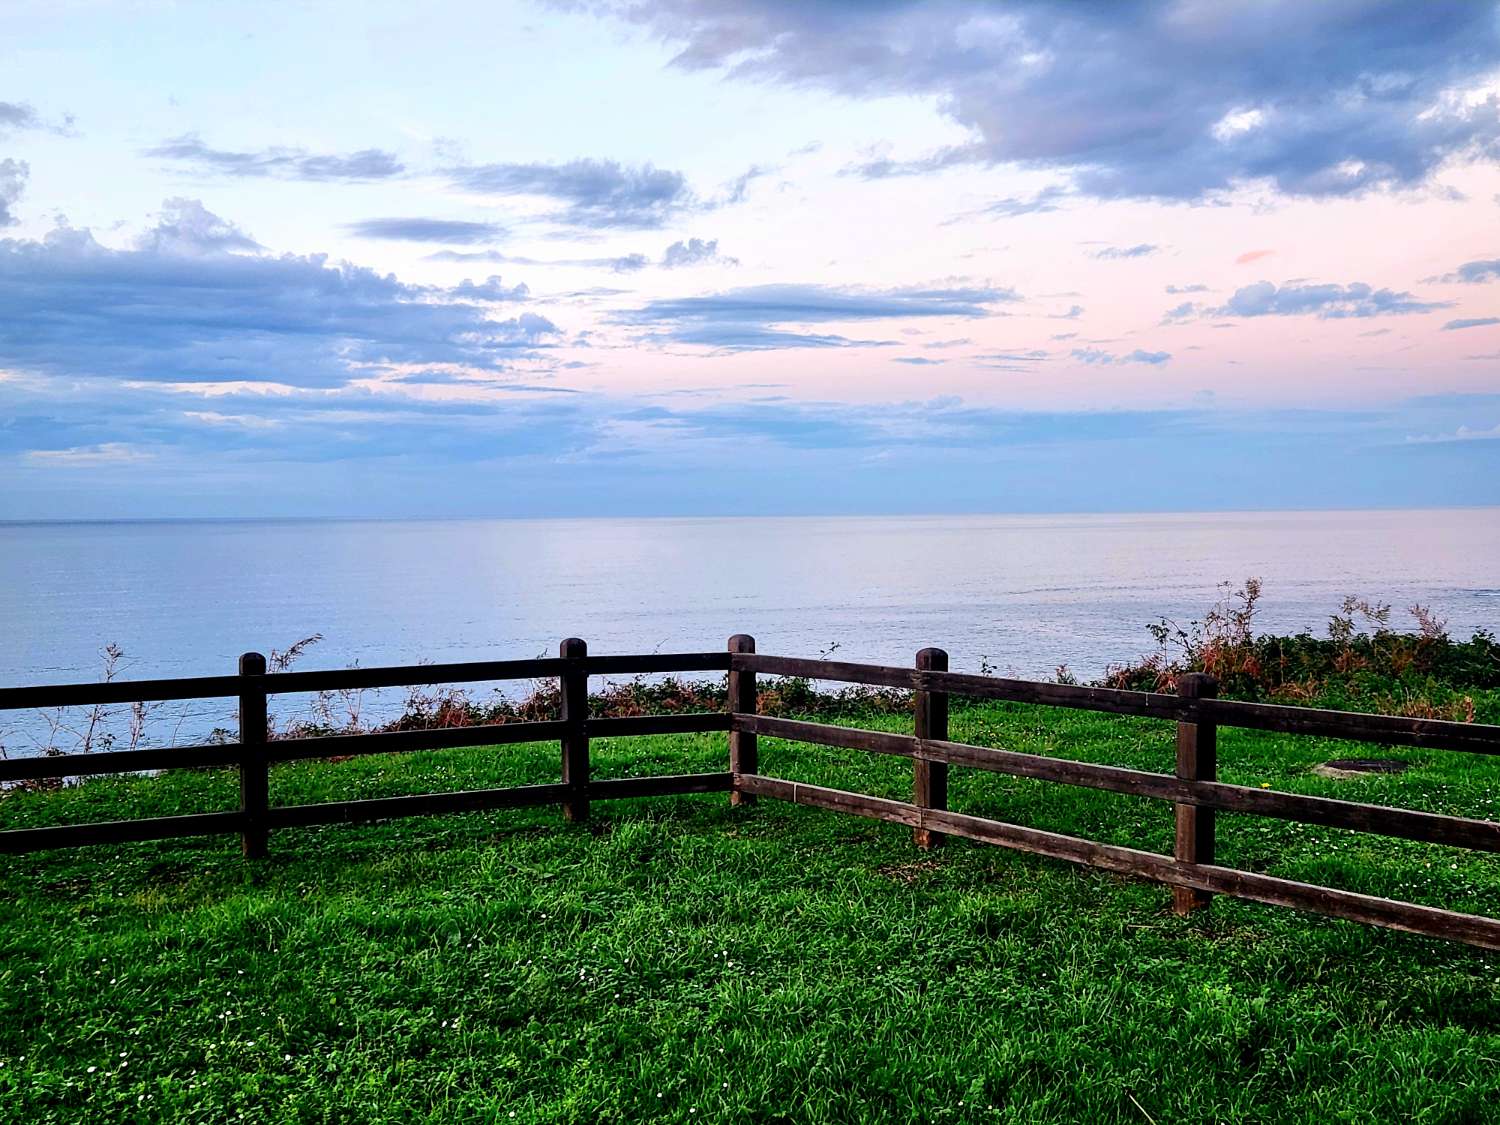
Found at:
(1252, 256)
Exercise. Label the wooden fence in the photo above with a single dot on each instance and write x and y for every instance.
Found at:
(1193, 789)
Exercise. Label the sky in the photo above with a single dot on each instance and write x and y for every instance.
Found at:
(706, 257)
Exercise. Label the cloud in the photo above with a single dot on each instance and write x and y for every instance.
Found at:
(733, 337)
(741, 320)
(185, 226)
(1142, 250)
(1463, 433)
(596, 193)
(18, 115)
(183, 308)
(279, 162)
(1036, 355)
(90, 456)
(445, 377)
(1187, 289)
(1252, 256)
(427, 230)
(695, 252)
(625, 263)
(1044, 200)
(1011, 361)
(1180, 312)
(491, 289)
(809, 304)
(1096, 357)
(13, 174)
(1473, 273)
(1471, 322)
(1073, 313)
(746, 319)
(1329, 302)
(941, 423)
(220, 440)
(885, 168)
(503, 449)
(528, 328)
(736, 189)
(1139, 100)
(692, 252)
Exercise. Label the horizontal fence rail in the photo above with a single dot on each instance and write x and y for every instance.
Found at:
(1393, 730)
(348, 679)
(1193, 789)
(348, 745)
(1408, 824)
(1427, 920)
(347, 812)
(960, 683)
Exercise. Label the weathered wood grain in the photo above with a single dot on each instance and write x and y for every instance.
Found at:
(575, 738)
(1197, 760)
(930, 722)
(255, 766)
(744, 750)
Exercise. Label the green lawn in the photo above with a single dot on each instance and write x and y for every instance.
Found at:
(677, 960)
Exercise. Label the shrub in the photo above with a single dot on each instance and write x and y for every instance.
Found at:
(1362, 664)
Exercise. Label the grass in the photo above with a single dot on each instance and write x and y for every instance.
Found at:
(677, 960)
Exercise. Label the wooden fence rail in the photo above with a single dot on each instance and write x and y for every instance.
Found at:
(1193, 788)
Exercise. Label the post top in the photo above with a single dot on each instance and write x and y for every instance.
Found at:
(1197, 685)
(252, 664)
(742, 642)
(572, 647)
(932, 660)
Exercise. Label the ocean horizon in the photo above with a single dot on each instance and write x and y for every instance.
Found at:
(1020, 594)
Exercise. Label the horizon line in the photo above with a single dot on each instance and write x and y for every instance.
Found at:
(124, 520)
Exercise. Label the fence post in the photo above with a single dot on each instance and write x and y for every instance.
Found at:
(930, 779)
(744, 747)
(1197, 760)
(575, 744)
(255, 768)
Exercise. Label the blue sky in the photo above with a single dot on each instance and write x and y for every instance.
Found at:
(762, 256)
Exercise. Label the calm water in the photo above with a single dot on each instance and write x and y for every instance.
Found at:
(1026, 592)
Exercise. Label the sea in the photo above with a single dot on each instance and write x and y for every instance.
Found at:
(1019, 594)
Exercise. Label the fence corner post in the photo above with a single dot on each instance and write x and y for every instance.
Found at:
(744, 746)
(255, 766)
(930, 779)
(575, 743)
(1197, 760)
